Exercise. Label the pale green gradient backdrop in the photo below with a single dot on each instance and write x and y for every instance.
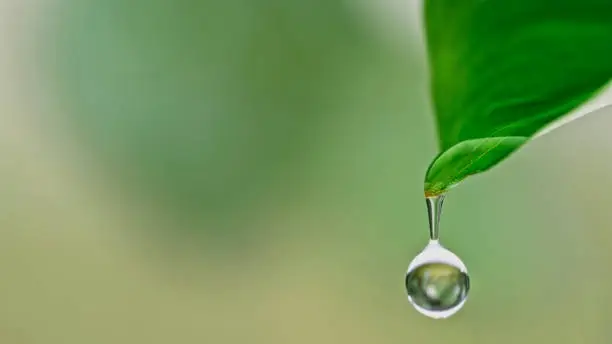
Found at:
(90, 253)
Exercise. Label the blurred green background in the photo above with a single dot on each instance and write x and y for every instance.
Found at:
(252, 171)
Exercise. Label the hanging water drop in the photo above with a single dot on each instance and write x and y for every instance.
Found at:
(437, 281)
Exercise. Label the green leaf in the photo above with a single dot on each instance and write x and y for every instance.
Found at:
(503, 70)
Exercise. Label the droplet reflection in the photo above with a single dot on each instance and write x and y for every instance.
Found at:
(437, 282)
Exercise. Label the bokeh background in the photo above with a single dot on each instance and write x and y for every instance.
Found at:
(252, 171)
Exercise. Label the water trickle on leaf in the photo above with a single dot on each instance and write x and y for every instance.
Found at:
(437, 281)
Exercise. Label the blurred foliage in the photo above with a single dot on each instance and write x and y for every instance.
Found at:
(205, 106)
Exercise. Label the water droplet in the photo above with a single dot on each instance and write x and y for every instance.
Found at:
(437, 281)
